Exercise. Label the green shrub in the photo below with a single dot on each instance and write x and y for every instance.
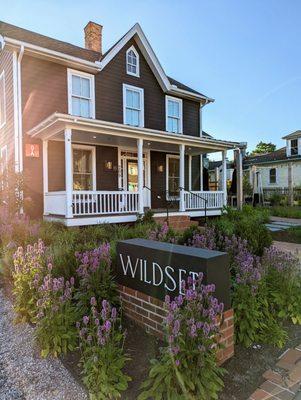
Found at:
(286, 212)
(187, 367)
(30, 267)
(57, 315)
(102, 356)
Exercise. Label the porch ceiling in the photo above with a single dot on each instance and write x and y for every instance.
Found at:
(102, 132)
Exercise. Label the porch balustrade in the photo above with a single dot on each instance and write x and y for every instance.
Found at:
(195, 200)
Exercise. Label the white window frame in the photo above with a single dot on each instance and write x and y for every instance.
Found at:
(137, 74)
(73, 72)
(276, 176)
(169, 156)
(93, 149)
(293, 155)
(2, 77)
(141, 91)
(180, 101)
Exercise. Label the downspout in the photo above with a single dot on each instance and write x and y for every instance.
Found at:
(19, 90)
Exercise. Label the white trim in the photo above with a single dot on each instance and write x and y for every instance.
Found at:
(2, 77)
(168, 156)
(52, 54)
(182, 177)
(137, 74)
(16, 118)
(276, 176)
(189, 172)
(176, 100)
(152, 60)
(45, 169)
(201, 121)
(126, 87)
(68, 173)
(56, 122)
(4, 154)
(93, 149)
(20, 114)
(83, 221)
(73, 72)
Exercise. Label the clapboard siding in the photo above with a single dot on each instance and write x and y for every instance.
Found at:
(56, 166)
(7, 131)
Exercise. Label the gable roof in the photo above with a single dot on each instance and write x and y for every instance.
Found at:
(274, 156)
(24, 35)
(167, 83)
(293, 135)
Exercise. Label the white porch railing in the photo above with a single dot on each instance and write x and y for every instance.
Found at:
(196, 200)
(55, 203)
(101, 202)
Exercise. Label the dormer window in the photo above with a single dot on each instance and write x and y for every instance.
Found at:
(132, 62)
(81, 95)
(174, 117)
(294, 147)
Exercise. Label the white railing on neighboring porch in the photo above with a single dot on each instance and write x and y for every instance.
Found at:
(196, 200)
(101, 202)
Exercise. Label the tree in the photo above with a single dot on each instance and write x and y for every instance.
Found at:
(263, 148)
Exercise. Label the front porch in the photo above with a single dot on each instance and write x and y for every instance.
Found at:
(97, 174)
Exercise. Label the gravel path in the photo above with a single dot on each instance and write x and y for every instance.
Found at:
(23, 374)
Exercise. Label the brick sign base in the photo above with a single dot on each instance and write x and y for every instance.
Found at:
(149, 313)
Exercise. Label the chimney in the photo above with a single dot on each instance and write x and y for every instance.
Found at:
(93, 37)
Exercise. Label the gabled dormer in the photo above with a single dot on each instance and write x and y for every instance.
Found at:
(293, 144)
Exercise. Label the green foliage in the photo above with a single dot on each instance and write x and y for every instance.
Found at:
(263, 148)
(286, 212)
(187, 367)
(291, 235)
(102, 355)
(29, 271)
(247, 224)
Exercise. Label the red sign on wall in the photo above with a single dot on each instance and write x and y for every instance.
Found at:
(32, 150)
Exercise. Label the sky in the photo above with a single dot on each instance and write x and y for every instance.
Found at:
(244, 54)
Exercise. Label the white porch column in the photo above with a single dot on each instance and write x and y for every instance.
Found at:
(224, 176)
(45, 171)
(182, 177)
(190, 172)
(201, 173)
(140, 174)
(68, 173)
(239, 178)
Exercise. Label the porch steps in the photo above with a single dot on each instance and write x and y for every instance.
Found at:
(177, 222)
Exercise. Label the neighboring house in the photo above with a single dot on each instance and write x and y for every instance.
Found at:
(102, 136)
(280, 169)
(215, 171)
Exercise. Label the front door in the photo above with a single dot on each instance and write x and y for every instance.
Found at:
(132, 175)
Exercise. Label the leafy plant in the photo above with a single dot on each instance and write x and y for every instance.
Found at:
(56, 331)
(95, 278)
(30, 267)
(102, 356)
(187, 368)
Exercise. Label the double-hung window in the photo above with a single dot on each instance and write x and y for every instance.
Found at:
(81, 97)
(2, 100)
(133, 105)
(294, 147)
(132, 62)
(273, 176)
(83, 167)
(174, 117)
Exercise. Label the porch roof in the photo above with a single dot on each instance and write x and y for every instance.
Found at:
(53, 126)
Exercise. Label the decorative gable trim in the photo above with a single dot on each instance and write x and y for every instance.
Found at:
(152, 60)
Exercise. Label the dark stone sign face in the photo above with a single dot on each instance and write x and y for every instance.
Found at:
(157, 268)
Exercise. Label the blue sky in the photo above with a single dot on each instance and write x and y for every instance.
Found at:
(244, 54)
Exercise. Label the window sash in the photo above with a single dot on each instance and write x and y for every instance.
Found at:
(294, 147)
(83, 165)
(173, 177)
(273, 175)
(81, 94)
(174, 115)
(133, 110)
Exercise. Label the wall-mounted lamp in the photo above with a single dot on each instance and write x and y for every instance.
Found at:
(109, 165)
(160, 168)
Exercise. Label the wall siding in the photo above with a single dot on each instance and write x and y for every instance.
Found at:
(106, 180)
(282, 174)
(109, 97)
(7, 131)
(56, 166)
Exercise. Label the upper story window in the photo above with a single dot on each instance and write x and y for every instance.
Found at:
(294, 147)
(81, 97)
(133, 105)
(2, 100)
(273, 175)
(174, 115)
(132, 62)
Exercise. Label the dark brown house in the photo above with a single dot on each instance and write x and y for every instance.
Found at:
(102, 136)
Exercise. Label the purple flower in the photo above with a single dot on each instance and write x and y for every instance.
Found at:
(93, 301)
(86, 320)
